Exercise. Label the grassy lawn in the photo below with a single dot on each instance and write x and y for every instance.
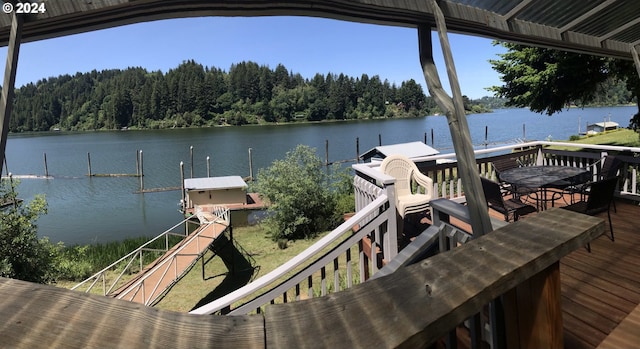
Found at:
(619, 137)
(193, 288)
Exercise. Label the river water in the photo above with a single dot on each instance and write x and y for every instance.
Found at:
(86, 209)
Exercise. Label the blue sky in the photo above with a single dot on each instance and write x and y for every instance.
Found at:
(304, 45)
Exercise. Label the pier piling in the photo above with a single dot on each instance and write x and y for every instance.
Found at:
(432, 139)
(137, 163)
(46, 168)
(486, 135)
(184, 204)
(250, 165)
(141, 171)
(326, 152)
(89, 162)
(191, 156)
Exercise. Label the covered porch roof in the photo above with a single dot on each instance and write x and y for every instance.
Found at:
(603, 27)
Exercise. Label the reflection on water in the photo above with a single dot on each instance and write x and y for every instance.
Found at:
(86, 209)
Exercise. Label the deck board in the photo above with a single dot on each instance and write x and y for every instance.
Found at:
(626, 335)
(600, 289)
(604, 283)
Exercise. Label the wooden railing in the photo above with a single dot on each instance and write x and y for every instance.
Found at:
(413, 307)
(336, 262)
(372, 228)
(447, 184)
(119, 274)
(113, 276)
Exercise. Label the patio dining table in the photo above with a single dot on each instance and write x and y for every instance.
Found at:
(543, 178)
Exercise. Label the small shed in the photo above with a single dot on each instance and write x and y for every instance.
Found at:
(601, 127)
(412, 150)
(227, 190)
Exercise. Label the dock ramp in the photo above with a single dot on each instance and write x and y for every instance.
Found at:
(156, 278)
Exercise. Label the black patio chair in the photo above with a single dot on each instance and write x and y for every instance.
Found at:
(610, 167)
(508, 207)
(501, 165)
(599, 200)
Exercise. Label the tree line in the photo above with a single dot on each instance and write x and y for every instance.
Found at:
(196, 95)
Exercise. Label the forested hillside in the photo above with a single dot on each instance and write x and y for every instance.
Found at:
(195, 95)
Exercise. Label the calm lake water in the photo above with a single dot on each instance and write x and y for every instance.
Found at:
(95, 209)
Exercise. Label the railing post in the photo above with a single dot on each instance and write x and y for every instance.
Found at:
(395, 225)
(602, 156)
(539, 157)
(533, 313)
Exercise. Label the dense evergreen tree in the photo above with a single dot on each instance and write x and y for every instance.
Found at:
(194, 95)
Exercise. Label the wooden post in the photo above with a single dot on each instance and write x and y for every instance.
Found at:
(425, 138)
(379, 139)
(184, 204)
(89, 162)
(191, 155)
(357, 150)
(326, 152)
(458, 127)
(46, 169)
(533, 314)
(250, 166)
(137, 164)
(432, 139)
(141, 171)
(636, 60)
(8, 86)
(486, 136)
(15, 198)
(208, 166)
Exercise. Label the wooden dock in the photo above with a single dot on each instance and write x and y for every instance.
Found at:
(158, 277)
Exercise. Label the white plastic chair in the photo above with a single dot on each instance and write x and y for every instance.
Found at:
(405, 172)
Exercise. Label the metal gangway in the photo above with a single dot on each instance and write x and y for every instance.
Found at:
(128, 278)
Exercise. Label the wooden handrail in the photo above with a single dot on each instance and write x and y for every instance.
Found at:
(410, 308)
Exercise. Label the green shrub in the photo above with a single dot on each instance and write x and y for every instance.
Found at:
(74, 265)
(298, 188)
(23, 255)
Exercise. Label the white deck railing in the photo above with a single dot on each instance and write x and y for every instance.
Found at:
(372, 229)
(442, 167)
(336, 262)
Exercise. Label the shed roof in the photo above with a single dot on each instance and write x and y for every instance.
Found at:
(214, 183)
(606, 124)
(410, 150)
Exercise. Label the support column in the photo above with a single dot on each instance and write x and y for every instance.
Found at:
(454, 110)
(636, 60)
(8, 85)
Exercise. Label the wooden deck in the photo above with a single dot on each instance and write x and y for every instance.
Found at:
(600, 289)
